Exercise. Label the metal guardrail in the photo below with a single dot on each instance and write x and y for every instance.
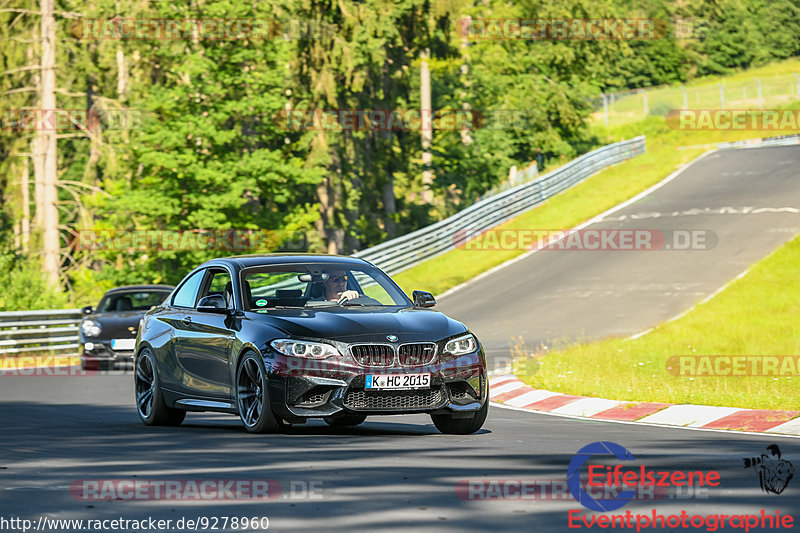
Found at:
(56, 332)
(404, 252)
(782, 140)
(37, 332)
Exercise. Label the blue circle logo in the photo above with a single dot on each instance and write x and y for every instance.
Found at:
(574, 476)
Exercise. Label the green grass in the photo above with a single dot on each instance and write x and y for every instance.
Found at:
(779, 86)
(578, 204)
(755, 315)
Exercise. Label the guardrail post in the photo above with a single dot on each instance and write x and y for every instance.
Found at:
(760, 99)
(646, 109)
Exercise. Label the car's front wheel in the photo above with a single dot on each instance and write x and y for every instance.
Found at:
(149, 400)
(252, 396)
(461, 426)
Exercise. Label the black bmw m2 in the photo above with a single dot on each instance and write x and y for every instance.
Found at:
(278, 339)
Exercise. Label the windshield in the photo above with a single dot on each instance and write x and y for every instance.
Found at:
(318, 285)
(130, 301)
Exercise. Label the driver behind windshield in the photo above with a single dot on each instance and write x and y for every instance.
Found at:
(335, 287)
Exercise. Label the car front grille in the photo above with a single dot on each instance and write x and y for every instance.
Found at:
(413, 354)
(373, 354)
(394, 400)
(417, 354)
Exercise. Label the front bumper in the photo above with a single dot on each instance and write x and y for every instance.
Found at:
(101, 352)
(302, 388)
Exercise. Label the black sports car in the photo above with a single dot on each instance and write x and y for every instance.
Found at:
(108, 332)
(278, 339)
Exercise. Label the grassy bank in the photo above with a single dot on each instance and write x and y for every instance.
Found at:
(755, 316)
(593, 196)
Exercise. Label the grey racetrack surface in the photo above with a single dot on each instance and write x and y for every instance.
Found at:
(399, 473)
(748, 198)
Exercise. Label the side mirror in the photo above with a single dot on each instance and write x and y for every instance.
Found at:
(423, 299)
(214, 303)
(87, 310)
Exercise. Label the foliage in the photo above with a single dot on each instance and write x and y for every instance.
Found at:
(212, 151)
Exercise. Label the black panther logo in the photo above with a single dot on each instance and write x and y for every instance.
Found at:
(774, 473)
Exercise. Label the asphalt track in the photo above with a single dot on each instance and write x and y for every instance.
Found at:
(399, 473)
(749, 199)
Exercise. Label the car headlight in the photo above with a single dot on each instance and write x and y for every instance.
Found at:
(316, 350)
(461, 345)
(90, 328)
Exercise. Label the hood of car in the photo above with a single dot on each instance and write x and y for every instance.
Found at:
(115, 325)
(365, 324)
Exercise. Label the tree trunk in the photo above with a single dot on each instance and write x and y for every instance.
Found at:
(26, 206)
(122, 74)
(466, 136)
(51, 245)
(37, 154)
(389, 206)
(427, 127)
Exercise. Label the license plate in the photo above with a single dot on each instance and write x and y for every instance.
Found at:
(397, 381)
(123, 344)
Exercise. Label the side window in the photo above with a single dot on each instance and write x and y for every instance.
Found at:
(187, 294)
(219, 284)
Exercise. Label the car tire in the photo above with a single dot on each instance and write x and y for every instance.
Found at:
(461, 426)
(149, 400)
(341, 421)
(252, 396)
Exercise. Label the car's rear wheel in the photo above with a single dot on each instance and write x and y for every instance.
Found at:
(252, 396)
(461, 426)
(345, 420)
(149, 400)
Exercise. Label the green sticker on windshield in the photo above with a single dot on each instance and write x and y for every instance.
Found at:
(261, 303)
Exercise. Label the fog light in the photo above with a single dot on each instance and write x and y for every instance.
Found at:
(89, 346)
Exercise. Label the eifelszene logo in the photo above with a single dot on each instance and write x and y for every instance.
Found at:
(774, 473)
(614, 478)
(574, 476)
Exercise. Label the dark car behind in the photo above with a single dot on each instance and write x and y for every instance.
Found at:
(108, 332)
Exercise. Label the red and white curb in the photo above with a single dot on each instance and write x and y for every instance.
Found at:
(507, 389)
